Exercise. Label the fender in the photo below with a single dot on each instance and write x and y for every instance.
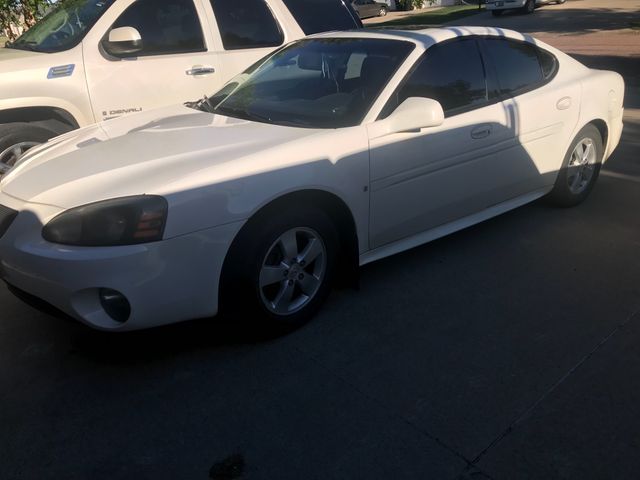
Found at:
(80, 118)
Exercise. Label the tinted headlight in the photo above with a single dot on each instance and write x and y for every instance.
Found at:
(121, 221)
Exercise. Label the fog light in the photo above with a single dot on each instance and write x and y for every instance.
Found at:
(115, 304)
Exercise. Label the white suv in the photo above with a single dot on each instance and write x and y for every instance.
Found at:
(527, 6)
(92, 60)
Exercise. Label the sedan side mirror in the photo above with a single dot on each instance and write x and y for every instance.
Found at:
(123, 42)
(415, 113)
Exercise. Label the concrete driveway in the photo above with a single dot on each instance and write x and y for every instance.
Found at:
(509, 350)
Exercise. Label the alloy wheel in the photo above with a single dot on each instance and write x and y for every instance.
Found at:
(292, 271)
(11, 155)
(531, 6)
(582, 166)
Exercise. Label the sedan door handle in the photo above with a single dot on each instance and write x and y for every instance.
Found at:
(564, 103)
(200, 70)
(481, 132)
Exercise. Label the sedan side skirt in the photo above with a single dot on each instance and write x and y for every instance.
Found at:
(451, 227)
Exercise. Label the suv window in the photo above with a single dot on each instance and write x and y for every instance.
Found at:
(246, 24)
(516, 64)
(166, 26)
(315, 16)
(451, 73)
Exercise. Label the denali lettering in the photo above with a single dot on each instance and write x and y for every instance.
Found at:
(121, 111)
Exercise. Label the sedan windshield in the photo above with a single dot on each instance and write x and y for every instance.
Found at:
(315, 83)
(62, 28)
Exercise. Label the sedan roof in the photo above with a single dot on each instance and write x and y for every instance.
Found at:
(428, 36)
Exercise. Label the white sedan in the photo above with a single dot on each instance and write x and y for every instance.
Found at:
(335, 151)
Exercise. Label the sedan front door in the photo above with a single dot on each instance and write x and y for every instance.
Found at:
(421, 180)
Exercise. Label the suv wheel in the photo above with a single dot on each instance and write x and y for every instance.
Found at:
(16, 139)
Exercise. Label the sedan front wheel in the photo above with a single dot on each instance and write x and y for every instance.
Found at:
(280, 269)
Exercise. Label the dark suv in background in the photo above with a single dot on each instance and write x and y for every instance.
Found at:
(369, 8)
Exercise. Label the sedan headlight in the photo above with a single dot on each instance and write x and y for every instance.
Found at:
(120, 221)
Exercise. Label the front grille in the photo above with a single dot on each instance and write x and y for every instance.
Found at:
(7, 216)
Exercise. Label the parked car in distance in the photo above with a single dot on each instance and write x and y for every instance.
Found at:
(333, 152)
(370, 8)
(89, 61)
(497, 7)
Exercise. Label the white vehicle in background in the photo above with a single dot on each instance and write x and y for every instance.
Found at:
(337, 150)
(92, 60)
(497, 7)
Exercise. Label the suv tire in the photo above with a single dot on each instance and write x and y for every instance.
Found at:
(17, 138)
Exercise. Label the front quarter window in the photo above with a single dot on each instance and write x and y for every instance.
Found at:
(63, 27)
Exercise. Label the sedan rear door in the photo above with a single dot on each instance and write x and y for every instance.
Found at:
(542, 102)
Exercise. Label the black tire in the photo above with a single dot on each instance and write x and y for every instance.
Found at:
(561, 195)
(497, 13)
(12, 134)
(241, 297)
(529, 7)
(382, 12)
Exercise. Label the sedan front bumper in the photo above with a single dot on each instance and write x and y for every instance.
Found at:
(164, 282)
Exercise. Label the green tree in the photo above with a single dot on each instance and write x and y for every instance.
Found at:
(20, 12)
(411, 4)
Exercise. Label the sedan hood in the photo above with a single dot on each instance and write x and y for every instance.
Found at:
(150, 153)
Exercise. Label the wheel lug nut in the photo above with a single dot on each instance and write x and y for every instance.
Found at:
(290, 282)
(302, 263)
(301, 276)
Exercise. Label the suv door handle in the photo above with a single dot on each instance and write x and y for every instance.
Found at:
(482, 131)
(200, 70)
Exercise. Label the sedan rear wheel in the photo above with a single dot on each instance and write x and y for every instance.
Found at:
(582, 166)
(280, 268)
(382, 12)
(580, 169)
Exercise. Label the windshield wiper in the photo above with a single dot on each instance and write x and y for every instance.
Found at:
(238, 113)
(31, 46)
(204, 105)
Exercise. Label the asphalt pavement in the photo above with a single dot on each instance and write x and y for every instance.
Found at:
(508, 350)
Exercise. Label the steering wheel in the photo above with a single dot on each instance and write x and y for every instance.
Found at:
(63, 24)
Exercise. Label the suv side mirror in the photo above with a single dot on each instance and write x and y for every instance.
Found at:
(123, 42)
(412, 115)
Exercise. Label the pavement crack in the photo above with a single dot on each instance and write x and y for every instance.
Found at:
(469, 465)
(521, 418)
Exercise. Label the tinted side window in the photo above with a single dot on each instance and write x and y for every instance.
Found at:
(549, 64)
(452, 74)
(516, 63)
(166, 26)
(316, 16)
(246, 24)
